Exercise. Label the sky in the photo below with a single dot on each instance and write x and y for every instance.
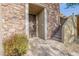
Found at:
(69, 11)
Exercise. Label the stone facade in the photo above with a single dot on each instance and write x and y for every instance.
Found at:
(53, 18)
(12, 19)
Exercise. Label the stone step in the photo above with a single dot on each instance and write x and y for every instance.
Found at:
(57, 39)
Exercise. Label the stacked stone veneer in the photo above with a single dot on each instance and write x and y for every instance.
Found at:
(53, 18)
(11, 19)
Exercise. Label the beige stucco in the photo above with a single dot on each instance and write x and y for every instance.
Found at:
(69, 31)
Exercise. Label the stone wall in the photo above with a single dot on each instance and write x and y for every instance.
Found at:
(12, 19)
(53, 18)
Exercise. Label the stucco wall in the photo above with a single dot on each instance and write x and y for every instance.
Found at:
(70, 30)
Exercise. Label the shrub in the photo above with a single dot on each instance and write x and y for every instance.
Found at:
(17, 45)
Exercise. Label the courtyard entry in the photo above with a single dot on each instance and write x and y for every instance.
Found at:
(37, 25)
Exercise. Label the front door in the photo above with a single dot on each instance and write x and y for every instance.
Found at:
(32, 25)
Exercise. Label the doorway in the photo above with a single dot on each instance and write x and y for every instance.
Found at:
(37, 21)
(32, 25)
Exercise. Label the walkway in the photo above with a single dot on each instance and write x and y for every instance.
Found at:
(40, 47)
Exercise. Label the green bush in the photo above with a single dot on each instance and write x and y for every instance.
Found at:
(17, 45)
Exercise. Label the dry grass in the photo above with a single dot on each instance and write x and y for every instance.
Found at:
(17, 45)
